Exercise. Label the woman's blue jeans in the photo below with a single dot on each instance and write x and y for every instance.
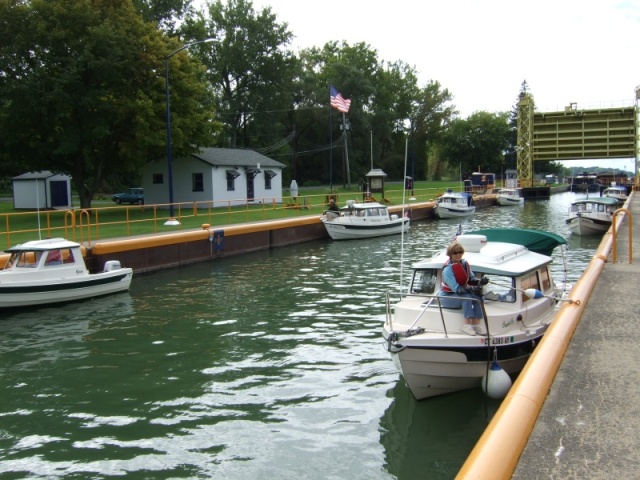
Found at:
(470, 308)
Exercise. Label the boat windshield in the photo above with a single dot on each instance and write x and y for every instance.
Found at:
(25, 259)
(424, 281)
(499, 289)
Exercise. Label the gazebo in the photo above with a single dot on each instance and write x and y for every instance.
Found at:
(375, 183)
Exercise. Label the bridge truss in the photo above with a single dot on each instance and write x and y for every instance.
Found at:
(574, 134)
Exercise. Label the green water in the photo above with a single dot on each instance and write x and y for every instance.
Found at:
(269, 365)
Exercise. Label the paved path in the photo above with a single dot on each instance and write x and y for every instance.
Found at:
(589, 426)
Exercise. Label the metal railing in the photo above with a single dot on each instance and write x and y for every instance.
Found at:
(99, 223)
(614, 249)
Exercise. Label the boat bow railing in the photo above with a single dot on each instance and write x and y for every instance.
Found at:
(395, 336)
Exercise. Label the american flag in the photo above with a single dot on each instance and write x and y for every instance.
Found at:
(337, 101)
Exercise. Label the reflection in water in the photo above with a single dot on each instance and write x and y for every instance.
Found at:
(268, 365)
(418, 436)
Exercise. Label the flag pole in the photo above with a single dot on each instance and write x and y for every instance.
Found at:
(330, 153)
(372, 149)
(346, 150)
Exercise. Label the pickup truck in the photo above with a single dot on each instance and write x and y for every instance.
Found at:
(134, 196)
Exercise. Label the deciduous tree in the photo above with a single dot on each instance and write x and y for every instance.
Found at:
(82, 90)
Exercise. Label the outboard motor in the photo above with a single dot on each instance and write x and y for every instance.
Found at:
(112, 265)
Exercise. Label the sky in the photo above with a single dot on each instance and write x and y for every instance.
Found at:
(582, 51)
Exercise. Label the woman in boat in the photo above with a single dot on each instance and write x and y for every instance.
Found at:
(457, 277)
(332, 206)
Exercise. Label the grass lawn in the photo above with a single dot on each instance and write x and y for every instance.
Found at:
(105, 220)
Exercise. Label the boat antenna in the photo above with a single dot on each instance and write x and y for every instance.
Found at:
(371, 149)
(404, 191)
(38, 207)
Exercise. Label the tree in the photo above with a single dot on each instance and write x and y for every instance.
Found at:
(82, 91)
(163, 13)
(477, 143)
(248, 66)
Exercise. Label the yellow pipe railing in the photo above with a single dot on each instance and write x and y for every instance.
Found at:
(615, 240)
(496, 455)
(124, 221)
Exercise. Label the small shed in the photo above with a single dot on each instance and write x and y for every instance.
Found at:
(44, 190)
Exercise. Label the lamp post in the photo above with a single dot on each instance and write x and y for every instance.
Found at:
(172, 220)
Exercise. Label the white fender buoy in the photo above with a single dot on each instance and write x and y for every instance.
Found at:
(498, 383)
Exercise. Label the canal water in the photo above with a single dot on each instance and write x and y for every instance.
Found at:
(268, 365)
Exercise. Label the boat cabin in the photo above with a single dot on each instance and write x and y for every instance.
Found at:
(48, 255)
(596, 205)
(511, 269)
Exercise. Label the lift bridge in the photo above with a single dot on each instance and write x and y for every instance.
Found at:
(604, 133)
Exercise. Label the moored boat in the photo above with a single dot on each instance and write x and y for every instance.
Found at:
(509, 196)
(363, 220)
(454, 205)
(591, 216)
(435, 355)
(616, 191)
(52, 271)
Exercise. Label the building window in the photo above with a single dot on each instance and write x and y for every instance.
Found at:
(231, 179)
(268, 175)
(158, 179)
(197, 182)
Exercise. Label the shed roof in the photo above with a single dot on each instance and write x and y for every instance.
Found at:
(236, 157)
(36, 175)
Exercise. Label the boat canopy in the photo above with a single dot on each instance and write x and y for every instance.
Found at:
(596, 200)
(535, 240)
(42, 245)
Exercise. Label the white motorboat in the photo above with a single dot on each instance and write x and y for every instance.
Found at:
(509, 196)
(53, 271)
(591, 216)
(518, 303)
(454, 205)
(363, 220)
(616, 191)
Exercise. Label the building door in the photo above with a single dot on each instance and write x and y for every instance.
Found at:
(59, 193)
(251, 175)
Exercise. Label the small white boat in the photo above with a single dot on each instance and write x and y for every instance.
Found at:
(616, 191)
(509, 196)
(591, 216)
(454, 205)
(518, 303)
(363, 220)
(53, 271)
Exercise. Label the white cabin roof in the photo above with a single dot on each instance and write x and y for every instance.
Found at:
(363, 206)
(43, 245)
(497, 258)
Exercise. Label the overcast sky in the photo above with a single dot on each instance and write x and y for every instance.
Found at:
(583, 51)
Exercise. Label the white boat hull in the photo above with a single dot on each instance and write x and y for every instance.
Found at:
(25, 294)
(504, 201)
(49, 271)
(427, 335)
(453, 212)
(430, 372)
(584, 225)
(345, 230)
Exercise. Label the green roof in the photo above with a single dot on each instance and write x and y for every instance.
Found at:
(537, 241)
(597, 200)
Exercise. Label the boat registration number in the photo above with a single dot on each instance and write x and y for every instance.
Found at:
(499, 340)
